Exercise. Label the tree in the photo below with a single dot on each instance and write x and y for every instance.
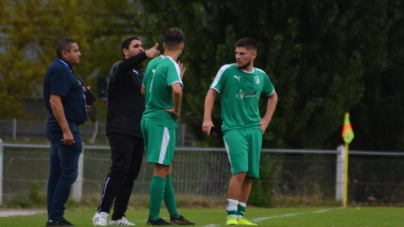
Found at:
(30, 29)
(324, 57)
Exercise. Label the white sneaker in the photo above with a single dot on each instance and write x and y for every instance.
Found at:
(122, 221)
(100, 219)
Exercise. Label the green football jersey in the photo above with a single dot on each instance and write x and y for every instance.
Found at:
(161, 73)
(240, 92)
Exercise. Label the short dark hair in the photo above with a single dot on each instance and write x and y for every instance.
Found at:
(64, 44)
(248, 43)
(173, 38)
(125, 44)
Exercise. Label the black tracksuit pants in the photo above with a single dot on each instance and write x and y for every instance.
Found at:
(127, 155)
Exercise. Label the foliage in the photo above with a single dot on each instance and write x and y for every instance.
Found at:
(33, 199)
(324, 57)
(264, 188)
(384, 183)
(34, 193)
(30, 29)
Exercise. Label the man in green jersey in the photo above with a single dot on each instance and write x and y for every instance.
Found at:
(162, 87)
(241, 86)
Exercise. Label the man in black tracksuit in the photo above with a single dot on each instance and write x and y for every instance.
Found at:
(124, 113)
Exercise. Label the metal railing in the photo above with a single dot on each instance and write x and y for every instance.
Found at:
(91, 132)
(205, 172)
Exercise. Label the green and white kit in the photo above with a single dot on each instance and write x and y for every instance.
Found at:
(240, 92)
(158, 126)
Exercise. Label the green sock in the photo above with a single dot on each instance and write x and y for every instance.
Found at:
(156, 196)
(169, 197)
(241, 209)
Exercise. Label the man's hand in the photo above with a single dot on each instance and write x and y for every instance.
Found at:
(87, 108)
(182, 69)
(68, 138)
(207, 126)
(152, 52)
(176, 114)
(264, 124)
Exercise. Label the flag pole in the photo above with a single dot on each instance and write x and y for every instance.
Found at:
(348, 136)
(345, 198)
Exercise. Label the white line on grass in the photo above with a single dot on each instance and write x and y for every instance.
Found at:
(269, 217)
(211, 225)
(18, 213)
(279, 216)
(321, 211)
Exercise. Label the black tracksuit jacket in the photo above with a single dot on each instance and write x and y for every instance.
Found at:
(126, 104)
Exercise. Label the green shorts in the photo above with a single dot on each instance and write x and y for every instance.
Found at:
(244, 150)
(159, 142)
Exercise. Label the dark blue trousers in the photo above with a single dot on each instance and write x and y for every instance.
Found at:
(63, 169)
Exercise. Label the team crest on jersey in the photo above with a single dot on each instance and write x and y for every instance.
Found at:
(257, 79)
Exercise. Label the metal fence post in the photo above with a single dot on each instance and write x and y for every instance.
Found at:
(77, 190)
(182, 134)
(339, 180)
(14, 129)
(95, 132)
(1, 172)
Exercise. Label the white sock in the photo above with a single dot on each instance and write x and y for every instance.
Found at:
(232, 204)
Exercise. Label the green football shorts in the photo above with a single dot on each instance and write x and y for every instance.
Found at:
(244, 150)
(159, 142)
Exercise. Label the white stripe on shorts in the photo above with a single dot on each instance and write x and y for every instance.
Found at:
(164, 145)
(228, 155)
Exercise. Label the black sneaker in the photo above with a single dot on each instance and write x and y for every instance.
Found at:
(63, 222)
(158, 222)
(52, 223)
(180, 221)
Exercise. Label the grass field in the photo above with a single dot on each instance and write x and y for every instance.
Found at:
(302, 217)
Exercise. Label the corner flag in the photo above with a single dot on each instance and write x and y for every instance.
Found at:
(347, 132)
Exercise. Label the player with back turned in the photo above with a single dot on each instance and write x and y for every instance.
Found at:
(162, 87)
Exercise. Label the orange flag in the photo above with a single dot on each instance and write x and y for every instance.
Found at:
(347, 132)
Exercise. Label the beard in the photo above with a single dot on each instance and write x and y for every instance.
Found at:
(244, 66)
